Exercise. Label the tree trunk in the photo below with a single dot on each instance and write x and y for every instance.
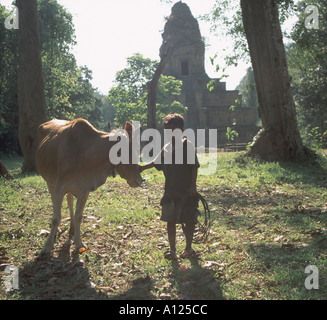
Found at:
(4, 172)
(152, 89)
(280, 138)
(31, 99)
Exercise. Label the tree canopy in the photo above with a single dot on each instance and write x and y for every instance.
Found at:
(70, 94)
(68, 90)
(129, 94)
(307, 60)
(306, 56)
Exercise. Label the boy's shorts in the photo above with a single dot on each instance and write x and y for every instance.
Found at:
(176, 212)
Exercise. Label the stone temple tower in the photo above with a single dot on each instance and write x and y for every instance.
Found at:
(183, 33)
(206, 109)
(187, 60)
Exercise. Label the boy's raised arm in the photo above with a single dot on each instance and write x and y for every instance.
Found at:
(146, 166)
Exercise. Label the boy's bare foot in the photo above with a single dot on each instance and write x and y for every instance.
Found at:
(191, 254)
(170, 255)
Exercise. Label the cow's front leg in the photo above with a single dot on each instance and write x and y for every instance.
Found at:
(57, 198)
(80, 203)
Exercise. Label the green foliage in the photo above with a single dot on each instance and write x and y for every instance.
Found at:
(68, 91)
(8, 86)
(248, 90)
(226, 21)
(231, 134)
(57, 33)
(129, 94)
(168, 91)
(135, 76)
(211, 84)
(308, 64)
(315, 139)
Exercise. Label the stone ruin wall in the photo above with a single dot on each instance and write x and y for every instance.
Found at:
(206, 109)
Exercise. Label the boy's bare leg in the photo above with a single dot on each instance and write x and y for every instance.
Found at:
(171, 228)
(189, 232)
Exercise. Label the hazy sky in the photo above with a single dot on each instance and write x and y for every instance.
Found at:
(109, 31)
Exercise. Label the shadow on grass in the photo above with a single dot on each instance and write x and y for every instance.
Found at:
(62, 277)
(312, 171)
(66, 277)
(195, 283)
(140, 290)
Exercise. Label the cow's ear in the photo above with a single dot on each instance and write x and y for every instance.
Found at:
(128, 128)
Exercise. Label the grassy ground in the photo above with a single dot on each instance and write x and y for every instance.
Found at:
(268, 225)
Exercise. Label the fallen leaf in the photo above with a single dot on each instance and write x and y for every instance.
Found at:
(210, 263)
(127, 234)
(278, 238)
(114, 265)
(83, 250)
(216, 244)
(89, 285)
(105, 289)
(44, 232)
(182, 268)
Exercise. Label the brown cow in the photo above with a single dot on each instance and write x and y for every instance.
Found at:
(73, 158)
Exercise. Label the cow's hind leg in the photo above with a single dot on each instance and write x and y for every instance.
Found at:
(80, 203)
(57, 198)
(70, 202)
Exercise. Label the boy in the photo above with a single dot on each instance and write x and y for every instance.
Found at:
(180, 202)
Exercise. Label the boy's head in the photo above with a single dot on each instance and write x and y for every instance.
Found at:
(173, 121)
